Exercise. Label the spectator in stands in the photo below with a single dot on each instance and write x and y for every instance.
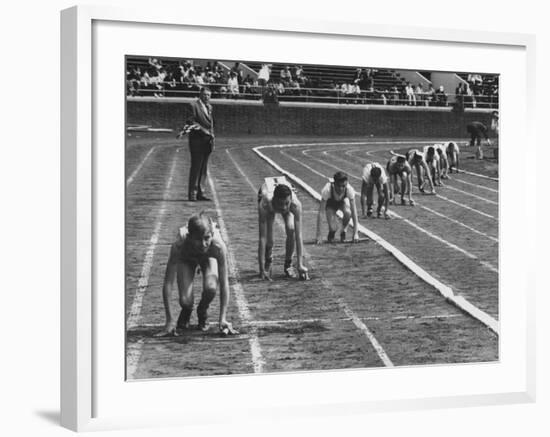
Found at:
(233, 85)
(441, 96)
(344, 92)
(286, 76)
(430, 96)
(238, 71)
(476, 81)
(294, 88)
(279, 88)
(248, 85)
(394, 95)
(409, 93)
(358, 76)
(382, 97)
(419, 94)
(298, 73)
(263, 76)
(270, 95)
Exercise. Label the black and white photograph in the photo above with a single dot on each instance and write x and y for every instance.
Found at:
(288, 217)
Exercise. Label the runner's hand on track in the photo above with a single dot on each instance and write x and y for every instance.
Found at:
(226, 328)
(265, 276)
(169, 330)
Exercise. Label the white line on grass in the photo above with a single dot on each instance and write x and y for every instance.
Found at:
(445, 290)
(134, 351)
(409, 222)
(343, 306)
(244, 313)
(138, 168)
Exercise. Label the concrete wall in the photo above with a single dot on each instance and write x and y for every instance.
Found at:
(303, 119)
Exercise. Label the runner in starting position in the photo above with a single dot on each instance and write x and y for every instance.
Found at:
(374, 176)
(338, 196)
(276, 196)
(197, 245)
(418, 161)
(400, 172)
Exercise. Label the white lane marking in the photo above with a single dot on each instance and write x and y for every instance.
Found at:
(349, 312)
(458, 223)
(492, 202)
(244, 313)
(478, 175)
(134, 351)
(481, 187)
(283, 322)
(409, 222)
(138, 168)
(484, 214)
(445, 290)
(438, 195)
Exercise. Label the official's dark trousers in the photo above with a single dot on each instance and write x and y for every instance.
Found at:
(200, 149)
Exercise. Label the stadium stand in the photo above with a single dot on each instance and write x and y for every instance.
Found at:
(155, 77)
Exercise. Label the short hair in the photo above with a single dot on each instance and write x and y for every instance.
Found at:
(376, 172)
(401, 159)
(281, 191)
(199, 224)
(204, 89)
(431, 150)
(340, 176)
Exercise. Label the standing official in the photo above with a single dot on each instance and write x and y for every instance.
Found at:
(201, 143)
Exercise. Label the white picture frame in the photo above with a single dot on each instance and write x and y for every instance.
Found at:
(83, 403)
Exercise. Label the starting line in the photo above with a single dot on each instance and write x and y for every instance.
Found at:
(445, 290)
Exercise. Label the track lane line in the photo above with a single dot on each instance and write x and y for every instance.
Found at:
(138, 168)
(133, 352)
(242, 304)
(445, 290)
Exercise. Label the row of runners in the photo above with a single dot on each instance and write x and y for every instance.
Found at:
(199, 246)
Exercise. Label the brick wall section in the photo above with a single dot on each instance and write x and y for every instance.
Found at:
(258, 119)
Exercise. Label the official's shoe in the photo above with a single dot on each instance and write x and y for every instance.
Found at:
(203, 198)
(330, 236)
(342, 236)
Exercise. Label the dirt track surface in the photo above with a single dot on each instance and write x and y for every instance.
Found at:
(361, 308)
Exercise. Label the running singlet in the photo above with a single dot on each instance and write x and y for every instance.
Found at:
(265, 193)
(184, 250)
(395, 169)
(367, 177)
(334, 200)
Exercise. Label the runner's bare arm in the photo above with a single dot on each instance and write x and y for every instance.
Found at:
(263, 223)
(169, 280)
(386, 191)
(297, 212)
(353, 206)
(220, 253)
(428, 174)
(322, 207)
(363, 198)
